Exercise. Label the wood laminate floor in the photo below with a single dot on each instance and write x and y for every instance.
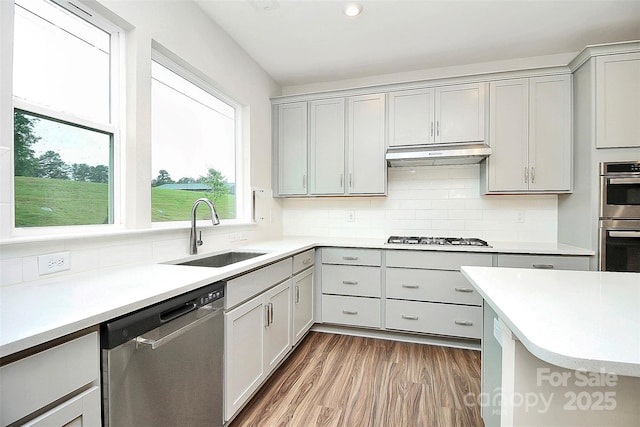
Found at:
(339, 380)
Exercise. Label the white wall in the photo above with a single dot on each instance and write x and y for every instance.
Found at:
(427, 201)
(184, 31)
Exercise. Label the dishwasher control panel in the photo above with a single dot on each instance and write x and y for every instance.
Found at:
(211, 297)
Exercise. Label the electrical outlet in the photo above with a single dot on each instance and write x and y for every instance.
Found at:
(520, 217)
(351, 216)
(52, 263)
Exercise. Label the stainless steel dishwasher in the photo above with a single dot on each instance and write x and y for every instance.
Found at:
(162, 365)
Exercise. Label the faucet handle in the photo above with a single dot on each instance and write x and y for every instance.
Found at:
(199, 242)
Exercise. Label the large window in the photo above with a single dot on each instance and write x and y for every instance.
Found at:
(64, 127)
(193, 145)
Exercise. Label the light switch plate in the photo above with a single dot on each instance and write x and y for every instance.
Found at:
(52, 263)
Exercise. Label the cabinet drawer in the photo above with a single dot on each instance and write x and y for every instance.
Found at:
(352, 311)
(351, 280)
(251, 284)
(433, 318)
(437, 260)
(351, 256)
(547, 262)
(303, 260)
(38, 380)
(431, 285)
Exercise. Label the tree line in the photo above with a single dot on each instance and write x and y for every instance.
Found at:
(214, 180)
(49, 164)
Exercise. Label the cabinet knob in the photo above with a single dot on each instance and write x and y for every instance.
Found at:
(533, 174)
(351, 312)
(526, 175)
(464, 290)
(411, 286)
(350, 258)
(349, 282)
(409, 317)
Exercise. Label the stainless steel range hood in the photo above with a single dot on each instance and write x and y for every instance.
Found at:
(437, 154)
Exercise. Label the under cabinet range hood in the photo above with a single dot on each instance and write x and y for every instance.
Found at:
(437, 154)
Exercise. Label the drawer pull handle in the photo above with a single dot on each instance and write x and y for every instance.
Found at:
(306, 261)
(408, 317)
(411, 286)
(543, 266)
(350, 258)
(349, 282)
(349, 312)
(463, 322)
(464, 289)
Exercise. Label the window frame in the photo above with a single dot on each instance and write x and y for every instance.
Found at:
(187, 72)
(112, 127)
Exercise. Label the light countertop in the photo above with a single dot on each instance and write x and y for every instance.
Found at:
(35, 312)
(580, 320)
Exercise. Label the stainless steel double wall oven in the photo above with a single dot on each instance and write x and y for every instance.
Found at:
(620, 216)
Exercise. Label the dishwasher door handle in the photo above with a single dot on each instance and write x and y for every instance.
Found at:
(142, 342)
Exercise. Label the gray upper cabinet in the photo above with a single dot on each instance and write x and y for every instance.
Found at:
(366, 125)
(441, 115)
(618, 100)
(326, 146)
(292, 148)
(530, 136)
(333, 146)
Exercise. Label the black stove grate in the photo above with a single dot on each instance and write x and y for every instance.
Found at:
(452, 241)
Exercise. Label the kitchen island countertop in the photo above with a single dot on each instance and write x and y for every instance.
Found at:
(579, 320)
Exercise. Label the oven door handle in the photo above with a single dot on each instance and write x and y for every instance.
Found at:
(614, 181)
(624, 233)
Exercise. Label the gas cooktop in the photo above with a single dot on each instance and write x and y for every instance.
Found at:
(453, 241)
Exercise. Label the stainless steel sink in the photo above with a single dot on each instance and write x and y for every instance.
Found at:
(222, 259)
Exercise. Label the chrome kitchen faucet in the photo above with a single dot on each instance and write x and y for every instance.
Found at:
(195, 242)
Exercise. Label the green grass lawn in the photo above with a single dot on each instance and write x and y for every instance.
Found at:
(42, 202)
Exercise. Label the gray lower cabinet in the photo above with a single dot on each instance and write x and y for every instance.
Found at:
(32, 384)
(352, 287)
(302, 293)
(426, 293)
(416, 291)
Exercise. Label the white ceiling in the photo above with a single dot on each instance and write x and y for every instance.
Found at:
(311, 41)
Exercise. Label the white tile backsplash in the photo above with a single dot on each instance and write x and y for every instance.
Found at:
(433, 200)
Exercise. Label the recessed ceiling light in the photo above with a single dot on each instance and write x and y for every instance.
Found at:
(352, 9)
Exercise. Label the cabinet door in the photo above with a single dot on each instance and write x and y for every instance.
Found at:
(411, 120)
(80, 411)
(302, 304)
(550, 161)
(367, 165)
(278, 330)
(244, 357)
(292, 149)
(509, 115)
(460, 113)
(618, 100)
(326, 146)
